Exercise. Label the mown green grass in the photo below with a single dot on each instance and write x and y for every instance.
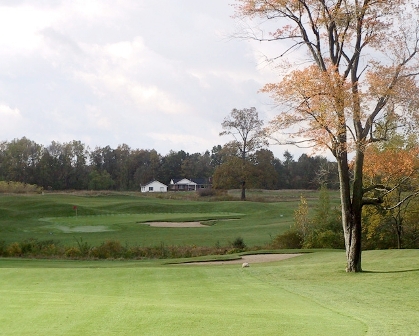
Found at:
(307, 295)
(117, 216)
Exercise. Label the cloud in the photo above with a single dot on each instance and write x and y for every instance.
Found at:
(11, 119)
(10, 114)
(20, 26)
(159, 75)
(176, 141)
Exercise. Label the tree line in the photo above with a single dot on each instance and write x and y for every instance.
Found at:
(74, 166)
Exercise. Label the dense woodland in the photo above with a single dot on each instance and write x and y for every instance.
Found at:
(73, 165)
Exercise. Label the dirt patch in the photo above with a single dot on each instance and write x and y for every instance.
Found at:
(176, 224)
(254, 258)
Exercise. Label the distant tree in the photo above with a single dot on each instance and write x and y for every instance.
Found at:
(171, 166)
(246, 128)
(311, 172)
(232, 172)
(79, 173)
(288, 164)
(197, 166)
(100, 180)
(147, 166)
(218, 156)
(19, 160)
(123, 159)
(265, 174)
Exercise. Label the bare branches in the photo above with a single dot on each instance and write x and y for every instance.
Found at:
(404, 200)
(246, 128)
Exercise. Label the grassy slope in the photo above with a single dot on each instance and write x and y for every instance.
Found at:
(308, 295)
(39, 216)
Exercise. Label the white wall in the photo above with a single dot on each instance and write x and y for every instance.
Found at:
(154, 186)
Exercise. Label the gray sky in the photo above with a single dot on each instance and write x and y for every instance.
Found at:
(152, 74)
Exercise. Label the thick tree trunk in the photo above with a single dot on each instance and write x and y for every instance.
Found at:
(351, 215)
(243, 195)
(353, 246)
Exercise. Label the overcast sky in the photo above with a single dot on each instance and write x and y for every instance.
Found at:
(151, 74)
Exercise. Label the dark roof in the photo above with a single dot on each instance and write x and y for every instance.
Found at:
(200, 180)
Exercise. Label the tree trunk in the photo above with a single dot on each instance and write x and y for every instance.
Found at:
(399, 237)
(399, 231)
(352, 234)
(351, 213)
(243, 195)
(399, 220)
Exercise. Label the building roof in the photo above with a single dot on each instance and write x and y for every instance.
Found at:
(154, 181)
(193, 180)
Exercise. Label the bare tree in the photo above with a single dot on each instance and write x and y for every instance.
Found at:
(246, 128)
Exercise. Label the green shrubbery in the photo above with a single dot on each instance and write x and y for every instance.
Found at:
(109, 249)
(290, 239)
(323, 230)
(18, 188)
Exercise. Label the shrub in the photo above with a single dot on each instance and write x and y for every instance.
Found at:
(14, 250)
(108, 249)
(206, 192)
(3, 249)
(51, 250)
(288, 240)
(239, 244)
(325, 239)
(19, 188)
(84, 247)
(73, 252)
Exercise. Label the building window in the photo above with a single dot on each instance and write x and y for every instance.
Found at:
(150, 188)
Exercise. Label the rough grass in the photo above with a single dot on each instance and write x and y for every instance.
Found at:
(307, 295)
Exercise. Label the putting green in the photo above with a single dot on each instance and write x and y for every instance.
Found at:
(83, 228)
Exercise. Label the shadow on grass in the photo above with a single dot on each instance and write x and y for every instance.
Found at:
(399, 271)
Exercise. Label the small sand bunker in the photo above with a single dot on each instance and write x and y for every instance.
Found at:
(176, 224)
(249, 259)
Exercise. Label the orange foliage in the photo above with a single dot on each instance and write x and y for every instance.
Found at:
(334, 102)
(390, 164)
(317, 102)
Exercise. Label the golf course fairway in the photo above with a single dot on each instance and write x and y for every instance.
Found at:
(306, 295)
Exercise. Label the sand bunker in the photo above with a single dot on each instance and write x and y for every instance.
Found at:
(176, 224)
(254, 258)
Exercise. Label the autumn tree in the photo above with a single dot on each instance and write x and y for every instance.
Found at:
(394, 166)
(352, 75)
(231, 172)
(246, 128)
(302, 220)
